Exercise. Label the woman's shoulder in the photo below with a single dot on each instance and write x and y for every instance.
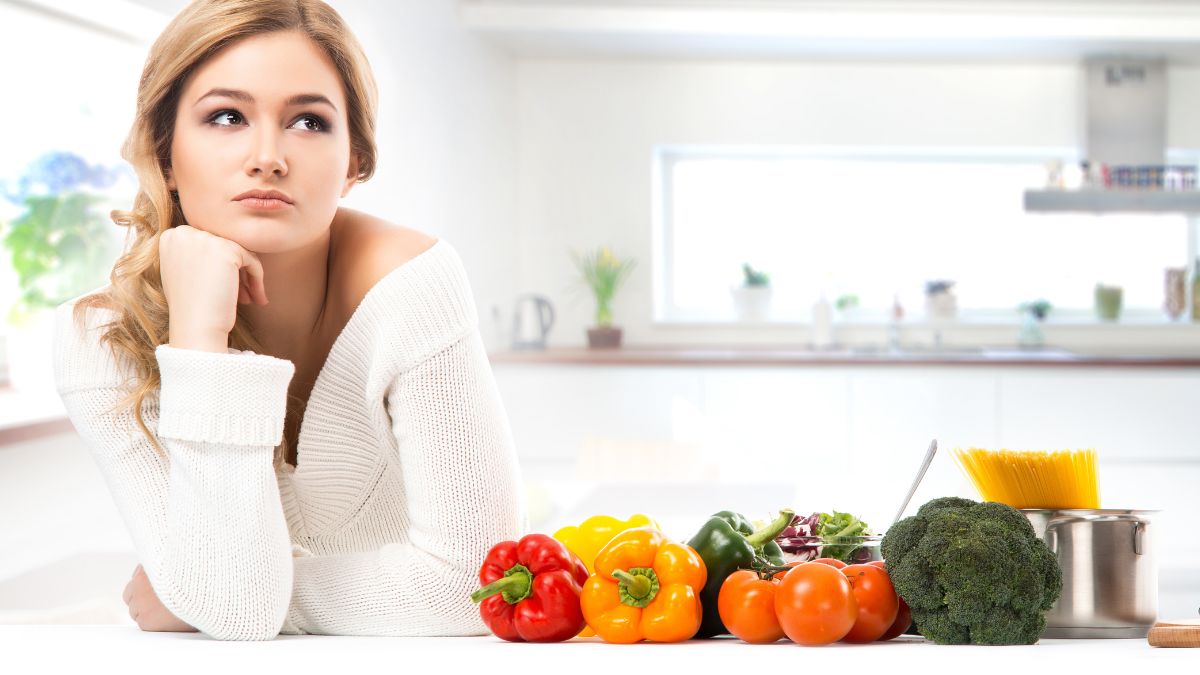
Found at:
(366, 249)
(398, 281)
(80, 358)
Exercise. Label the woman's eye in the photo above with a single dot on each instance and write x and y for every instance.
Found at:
(321, 126)
(213, 120)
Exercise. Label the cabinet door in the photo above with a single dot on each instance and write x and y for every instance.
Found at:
(785, 425)
(1123, 413)
(895, 412)
(557, 412)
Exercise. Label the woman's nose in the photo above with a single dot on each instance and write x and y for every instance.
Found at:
(267, 154)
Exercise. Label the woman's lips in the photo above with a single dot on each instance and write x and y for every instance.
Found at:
(264, 204)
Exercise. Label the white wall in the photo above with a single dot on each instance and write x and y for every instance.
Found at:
(446, 136)
(587, 129)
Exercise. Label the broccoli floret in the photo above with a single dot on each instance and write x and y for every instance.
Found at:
(972, 573)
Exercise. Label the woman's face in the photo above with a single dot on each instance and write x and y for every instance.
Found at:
(226, 144)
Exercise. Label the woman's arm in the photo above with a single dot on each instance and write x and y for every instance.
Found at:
(463, 492)
(206, 520)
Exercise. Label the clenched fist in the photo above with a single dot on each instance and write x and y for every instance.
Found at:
(204, 278)
(147, 610)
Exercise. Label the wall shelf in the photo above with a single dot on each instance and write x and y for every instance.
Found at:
(1113, 201)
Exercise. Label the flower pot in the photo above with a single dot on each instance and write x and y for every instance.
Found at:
(942, 305)
(1108, 302)
(604, 338)
(752, 303)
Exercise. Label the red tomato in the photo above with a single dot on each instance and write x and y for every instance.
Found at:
(815, 604)
(746, 604)
(901, 624)
(878, 563)
(831, 561)
(877, 602)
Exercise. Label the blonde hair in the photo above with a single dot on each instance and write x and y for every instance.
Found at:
(197, 33)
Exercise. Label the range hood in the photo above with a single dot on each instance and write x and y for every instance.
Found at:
(1125, 124)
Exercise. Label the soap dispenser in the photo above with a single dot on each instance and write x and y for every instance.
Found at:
(822, 324)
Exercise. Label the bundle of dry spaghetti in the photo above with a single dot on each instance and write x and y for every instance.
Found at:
(1064, 479)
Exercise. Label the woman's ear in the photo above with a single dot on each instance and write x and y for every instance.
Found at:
(351, 176)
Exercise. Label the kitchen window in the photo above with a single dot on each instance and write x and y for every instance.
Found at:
(879, 225)
(70, 112)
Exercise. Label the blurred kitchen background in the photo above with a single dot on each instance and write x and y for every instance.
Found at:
(837, 230)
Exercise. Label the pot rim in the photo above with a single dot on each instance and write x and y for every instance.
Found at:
(1103, 512)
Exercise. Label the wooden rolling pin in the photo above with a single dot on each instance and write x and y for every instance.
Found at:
(1182, 633)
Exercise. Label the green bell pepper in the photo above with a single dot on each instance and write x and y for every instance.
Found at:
(728, 542)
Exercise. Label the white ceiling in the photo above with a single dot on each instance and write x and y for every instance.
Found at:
(1039, 30)
(875, 30)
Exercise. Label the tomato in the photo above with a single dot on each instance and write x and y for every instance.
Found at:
(746, 604)
(831, 561)
(877, 602)
(901, 624)
(879, 563)
(815, 604)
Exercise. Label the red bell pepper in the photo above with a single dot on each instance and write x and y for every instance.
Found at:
(531, 590)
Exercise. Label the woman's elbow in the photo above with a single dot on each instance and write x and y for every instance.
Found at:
(251, 614)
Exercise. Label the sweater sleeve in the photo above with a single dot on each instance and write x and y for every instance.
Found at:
(463, 493)
(206, 520)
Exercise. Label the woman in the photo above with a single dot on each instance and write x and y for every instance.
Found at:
(289, 400)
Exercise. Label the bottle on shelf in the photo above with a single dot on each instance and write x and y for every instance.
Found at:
(1196, 291)
(822, 324)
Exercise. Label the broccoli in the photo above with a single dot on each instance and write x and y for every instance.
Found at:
(972, 573)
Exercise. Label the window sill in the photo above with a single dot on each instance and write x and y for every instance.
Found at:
(668, 355)
(25, 415)
(989, 322)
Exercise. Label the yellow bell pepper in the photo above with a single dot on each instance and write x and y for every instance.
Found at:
(645, 587)
(586, 539)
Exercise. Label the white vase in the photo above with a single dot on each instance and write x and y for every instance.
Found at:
(752, 303)
(3, 360)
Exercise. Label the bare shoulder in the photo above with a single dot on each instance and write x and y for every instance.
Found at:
(368, 248)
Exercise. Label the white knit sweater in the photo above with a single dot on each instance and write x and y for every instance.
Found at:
(406, 475)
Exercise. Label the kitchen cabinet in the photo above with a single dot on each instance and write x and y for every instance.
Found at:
(850, 437)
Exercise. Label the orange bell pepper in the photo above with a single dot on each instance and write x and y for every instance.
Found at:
(586, 539)
(645, 587)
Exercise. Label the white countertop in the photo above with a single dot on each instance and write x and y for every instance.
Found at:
(122, 647)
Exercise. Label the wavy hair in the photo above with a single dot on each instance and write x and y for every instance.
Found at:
(196, 34)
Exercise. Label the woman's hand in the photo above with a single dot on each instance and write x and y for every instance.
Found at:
(147, 610)
(204, 278)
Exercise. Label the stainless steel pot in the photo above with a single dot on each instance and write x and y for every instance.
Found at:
(1110, 574)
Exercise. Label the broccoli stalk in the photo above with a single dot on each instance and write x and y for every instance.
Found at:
(972, 573)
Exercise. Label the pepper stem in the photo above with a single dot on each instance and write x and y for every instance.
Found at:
(771, 529)
(637, 587)
(515, 585)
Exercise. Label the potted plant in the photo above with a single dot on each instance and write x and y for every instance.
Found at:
(847, 305)
(60, 242)
(940, 301)
(1033, 313)
(752, 299)
(603, 273)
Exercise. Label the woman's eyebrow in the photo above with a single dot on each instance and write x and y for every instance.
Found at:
(237, 94)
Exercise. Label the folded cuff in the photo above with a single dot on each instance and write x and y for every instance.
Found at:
(236, 398)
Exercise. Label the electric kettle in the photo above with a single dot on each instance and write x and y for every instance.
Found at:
(532, 319)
